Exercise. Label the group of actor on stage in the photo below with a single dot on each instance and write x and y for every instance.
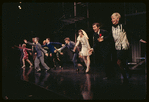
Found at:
(105, 44)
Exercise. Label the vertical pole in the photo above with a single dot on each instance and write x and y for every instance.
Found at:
(125, 13)
(75, 22)
(74, 9)
(87, 16)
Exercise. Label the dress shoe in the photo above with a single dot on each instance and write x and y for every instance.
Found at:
(87, 72)
(47, 70)
(30, 66)
(23, 66)
(38, 70)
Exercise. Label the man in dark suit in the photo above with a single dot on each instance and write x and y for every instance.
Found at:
(70, 44)
(102, 48)
(52, 51)
(40, 54)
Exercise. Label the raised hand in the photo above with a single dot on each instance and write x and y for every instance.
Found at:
(100, 39)
(63, 44)
(61, 53)
(25, 40)
(46, 54)
(54, 51)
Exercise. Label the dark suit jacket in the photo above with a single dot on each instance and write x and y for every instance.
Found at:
(40, 51)
(51, 47)
(102, 47)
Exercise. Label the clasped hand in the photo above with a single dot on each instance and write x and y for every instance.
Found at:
(100, 39)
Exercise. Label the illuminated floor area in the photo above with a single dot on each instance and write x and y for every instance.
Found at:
(68, 84)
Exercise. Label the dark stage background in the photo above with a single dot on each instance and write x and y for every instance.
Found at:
(46, 20)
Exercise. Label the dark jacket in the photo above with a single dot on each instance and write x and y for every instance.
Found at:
(104, 46)
(51, 47)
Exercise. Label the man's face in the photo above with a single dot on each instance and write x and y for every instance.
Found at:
(114, 20)
(35, 40)
(80, 33)
(95, 28)
(47, 41)
(66, 41)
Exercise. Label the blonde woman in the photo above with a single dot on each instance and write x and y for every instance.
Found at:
(25, 57)
(121, 43)
(83, 39)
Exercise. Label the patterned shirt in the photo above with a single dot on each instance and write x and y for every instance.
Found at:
(120, 38)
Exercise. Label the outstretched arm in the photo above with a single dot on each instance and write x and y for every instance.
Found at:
(62, 47)
(28, 49)
(43, 45)
(58, 43)
(27, 42)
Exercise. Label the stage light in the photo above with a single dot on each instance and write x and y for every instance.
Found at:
(19, 7)
(20, 2)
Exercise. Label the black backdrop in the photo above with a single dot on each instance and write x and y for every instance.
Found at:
(42, 20)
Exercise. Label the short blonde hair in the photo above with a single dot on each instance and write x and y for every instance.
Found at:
(116, 14)
(23, 45)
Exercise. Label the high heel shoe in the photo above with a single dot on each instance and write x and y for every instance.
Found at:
(23, 66)
(87, 70)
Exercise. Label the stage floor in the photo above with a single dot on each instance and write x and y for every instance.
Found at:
(80, 86)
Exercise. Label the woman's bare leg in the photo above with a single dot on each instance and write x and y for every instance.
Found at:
(85, 60)
(23, 63)
(29, 62)
(88, 64)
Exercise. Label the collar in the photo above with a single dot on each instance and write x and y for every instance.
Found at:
(98, 31)
(115, 25)
(48, 43)
(69, 43)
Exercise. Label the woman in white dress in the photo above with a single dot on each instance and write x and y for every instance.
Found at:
(86, 49)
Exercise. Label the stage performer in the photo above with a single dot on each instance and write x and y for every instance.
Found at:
(40, 54)
(70, 44)
(25, 57)
(102, 49)
(121, 42)
(52, 50)
(85, 50)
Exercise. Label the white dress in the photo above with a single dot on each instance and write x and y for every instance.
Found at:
(85, 46)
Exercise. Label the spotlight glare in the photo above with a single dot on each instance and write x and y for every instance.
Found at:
(19, 7)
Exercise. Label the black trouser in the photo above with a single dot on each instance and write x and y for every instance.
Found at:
(57, 59)
(47, 61)
(105, 58)
(120, 58)
(39, 60)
